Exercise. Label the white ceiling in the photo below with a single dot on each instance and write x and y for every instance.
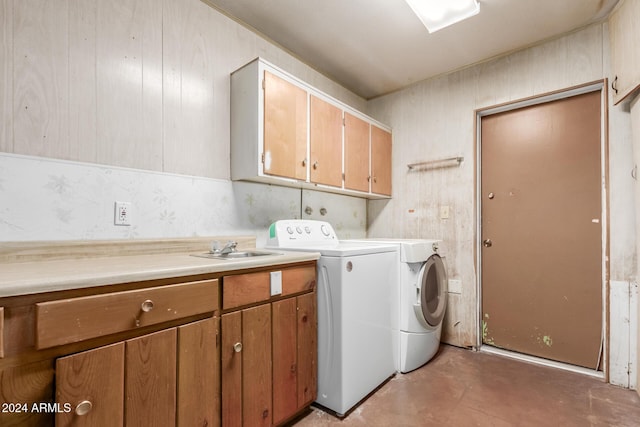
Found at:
(373, 47)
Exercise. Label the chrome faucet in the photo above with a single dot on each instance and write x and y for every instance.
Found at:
(229, 247)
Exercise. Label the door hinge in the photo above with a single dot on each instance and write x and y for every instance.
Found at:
(344, 121)
(343, 176)
(264, 85)
(262, 157)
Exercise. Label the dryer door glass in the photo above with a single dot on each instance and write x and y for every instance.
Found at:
(433, 290)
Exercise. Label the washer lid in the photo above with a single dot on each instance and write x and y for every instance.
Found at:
(433, 292)
(340, 249)
(411, 250)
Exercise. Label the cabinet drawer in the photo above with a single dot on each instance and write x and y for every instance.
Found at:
(77, 319)
(243, 289)
(298, 279)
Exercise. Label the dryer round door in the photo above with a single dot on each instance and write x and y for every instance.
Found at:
(433, 292)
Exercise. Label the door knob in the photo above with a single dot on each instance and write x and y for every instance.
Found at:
(487, 243)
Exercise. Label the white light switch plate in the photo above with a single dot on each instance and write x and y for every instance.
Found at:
(276, 282)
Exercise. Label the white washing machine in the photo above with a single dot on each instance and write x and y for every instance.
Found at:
(420, 300)
(355, 337)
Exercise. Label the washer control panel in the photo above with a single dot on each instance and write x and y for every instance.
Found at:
(301, 232)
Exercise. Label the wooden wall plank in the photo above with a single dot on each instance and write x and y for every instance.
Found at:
(619, 333)
(188, 102)
(40, 97)
(82, 78)
(128, 122)
(6, 75)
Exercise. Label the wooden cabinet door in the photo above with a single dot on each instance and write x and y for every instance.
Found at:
(198, 374)
(294, 355)
(307, 343)
(285, 128)
(356, 153)
(150, 381)
(231, 369)
(246, 367)
(92, 383)
(624, 33)
(380, 161)
(256, 366)
(325, 142)
(285, 359)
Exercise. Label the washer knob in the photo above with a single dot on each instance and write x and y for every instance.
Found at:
(324, 230)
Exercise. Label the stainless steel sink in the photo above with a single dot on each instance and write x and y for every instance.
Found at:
(236, 255)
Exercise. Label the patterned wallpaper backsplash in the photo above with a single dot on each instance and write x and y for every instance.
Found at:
(47, 199)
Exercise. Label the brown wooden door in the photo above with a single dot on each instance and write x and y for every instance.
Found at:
(285, 128)
(325, 142)
(94, 380)
(198, 374)
(541, 224)
(380, 161)
(150, 381)
(356, 153)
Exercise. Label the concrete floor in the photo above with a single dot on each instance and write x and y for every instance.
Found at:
(465, 388)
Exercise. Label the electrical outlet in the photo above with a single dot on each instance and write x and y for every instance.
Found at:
(122, 215)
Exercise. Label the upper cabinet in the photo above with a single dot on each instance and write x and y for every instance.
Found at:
(285, 132)
(357, 134)
(624, 34)
(325, 143)
(285, 128)
(380, 155)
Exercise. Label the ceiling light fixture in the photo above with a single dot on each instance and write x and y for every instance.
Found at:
(437, 14)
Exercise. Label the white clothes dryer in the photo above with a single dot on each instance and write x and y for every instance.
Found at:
(420, 300)
(355, 338)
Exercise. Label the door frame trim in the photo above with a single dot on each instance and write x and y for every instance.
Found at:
(601, 86)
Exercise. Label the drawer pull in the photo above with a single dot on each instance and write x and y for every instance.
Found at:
(237, 347)
(84, 407)
(147, 306)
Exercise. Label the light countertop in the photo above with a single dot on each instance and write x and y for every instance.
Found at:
(32, 277)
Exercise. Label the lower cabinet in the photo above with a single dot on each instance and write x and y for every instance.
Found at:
(268, 357)
(149, 380)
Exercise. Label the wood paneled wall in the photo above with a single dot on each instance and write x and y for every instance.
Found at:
(133, 83)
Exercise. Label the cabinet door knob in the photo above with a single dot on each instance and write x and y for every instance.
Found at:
(487, 243)
(315, 165)
(147, 306)
(304, 162)
(237, 347)
(375, 179)
(84, 407)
